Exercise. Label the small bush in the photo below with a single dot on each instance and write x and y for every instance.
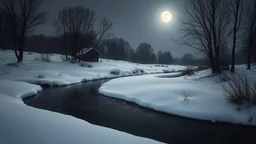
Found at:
(166, 71)
(87, 65)
(186, 97)
(13, 64)
(200, 68)
(238, 89)
(188, 71)
(40, 76)
(30, 53)
(224, 78)
(138, 71)
(115, 72)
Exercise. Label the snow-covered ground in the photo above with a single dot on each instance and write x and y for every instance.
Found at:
(188, 96)
(58, 72)
(21, 124)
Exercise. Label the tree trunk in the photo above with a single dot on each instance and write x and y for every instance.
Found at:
(249, 58)
(65, 43)
(233, 55)
(20, 57)
(212, 64)
(234, 46)
(21, 46)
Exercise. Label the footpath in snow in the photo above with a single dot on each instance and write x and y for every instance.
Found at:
(186, 96)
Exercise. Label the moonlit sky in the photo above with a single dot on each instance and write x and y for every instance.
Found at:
(134, 20)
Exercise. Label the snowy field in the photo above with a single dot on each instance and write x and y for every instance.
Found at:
(188, 96)
(21, 124)
(57, 72)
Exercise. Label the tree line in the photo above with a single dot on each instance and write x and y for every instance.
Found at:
(75, 30)
(214, 24)
(75, 27)
(112, 48)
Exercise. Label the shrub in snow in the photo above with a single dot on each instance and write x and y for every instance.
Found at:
(239, 89)
(115, 72)
(224, 78)
(40, 76)
(188, 71)
(166, 71)
(187, 97)
(138, 71)
(13, 64)
(86, 65)
(200, 68)
(30, 53)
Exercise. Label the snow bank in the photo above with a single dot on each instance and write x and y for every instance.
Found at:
(57, 72)
(188, 96)
(20, 124)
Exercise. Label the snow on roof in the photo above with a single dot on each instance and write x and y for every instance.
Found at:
(86, 50)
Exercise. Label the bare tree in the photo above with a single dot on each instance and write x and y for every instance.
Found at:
(103, 34)
(144, 53)
(5, 29)
(236, 9)
(74, 24)
(251, 20)
(24, 16)
(206, 30)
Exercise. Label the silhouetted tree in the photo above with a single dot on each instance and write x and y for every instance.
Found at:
(206, 29)
(74, 24)
(236, 9)
(5, 29)
(251, 21)
(24, 15)
(164, 57)
(44, 44)
(144, 53)
(103, 34)
(159, 57)
(117, 49)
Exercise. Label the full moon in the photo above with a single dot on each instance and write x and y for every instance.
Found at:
(166, 16)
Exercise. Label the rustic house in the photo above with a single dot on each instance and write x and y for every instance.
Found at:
(89, 54)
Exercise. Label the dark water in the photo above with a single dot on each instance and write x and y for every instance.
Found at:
(83, 101)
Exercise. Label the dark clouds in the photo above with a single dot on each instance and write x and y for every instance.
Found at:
(134, 20)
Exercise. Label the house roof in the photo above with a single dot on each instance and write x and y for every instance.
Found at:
(87, 50)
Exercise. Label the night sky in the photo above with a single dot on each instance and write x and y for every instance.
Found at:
(134, 20)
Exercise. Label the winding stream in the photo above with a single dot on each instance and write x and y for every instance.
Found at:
(83, 101)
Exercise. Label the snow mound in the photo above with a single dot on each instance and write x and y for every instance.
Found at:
(197, 96)
(20, 124)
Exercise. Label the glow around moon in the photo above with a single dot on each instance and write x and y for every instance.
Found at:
(166, 16)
